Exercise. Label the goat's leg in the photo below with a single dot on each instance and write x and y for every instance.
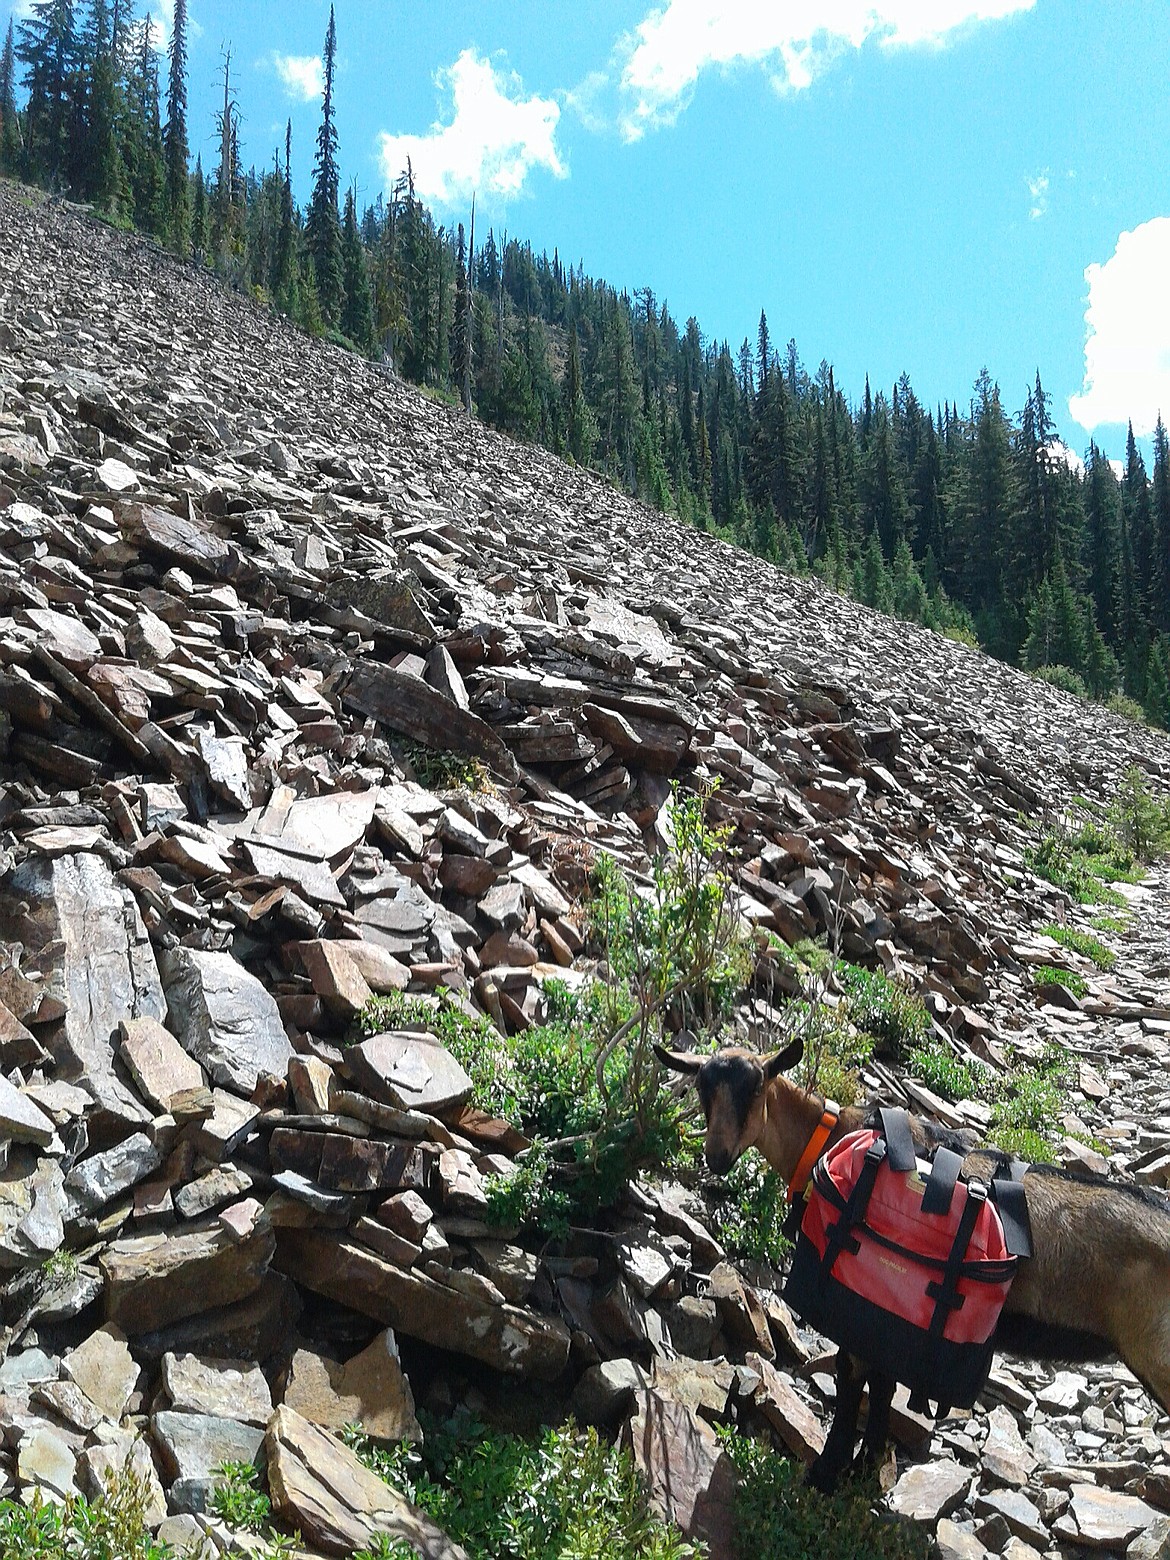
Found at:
(838, 1449)
(877, 1424)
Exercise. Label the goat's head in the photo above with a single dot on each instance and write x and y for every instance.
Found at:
(732, 1087)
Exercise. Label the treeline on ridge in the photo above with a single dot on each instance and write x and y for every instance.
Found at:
(970, 520)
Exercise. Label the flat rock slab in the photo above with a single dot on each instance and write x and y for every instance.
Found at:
(154, 1280)
(411, 1072)
(100, 964)
(193, 1446)
(222, 1388)
(102, 1177)
(325, 827)
(419, 1306)
(369, 1390)
(104, 1369)
(21, 1119)
(791, 1418)
(930, 1490)
(691, 1479)
(159, 1065)
(1103, 1519)
(323, 1491)
(225, 1018)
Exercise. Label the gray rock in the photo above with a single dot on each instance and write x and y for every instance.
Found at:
(412, 1072)
(220, 1388)
(21, 1119)
(100, 965)
(101, 1178)
(954, 1543)
(1103, 1519)
(104, 1370)
(225, 1018)
(193, 1446)
(930, 1490)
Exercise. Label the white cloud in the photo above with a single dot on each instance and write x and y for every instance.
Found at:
(303, 75)
(1038, 190)
(792, 40)
(494, 139)
(1127, 350)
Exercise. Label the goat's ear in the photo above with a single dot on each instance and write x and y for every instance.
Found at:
(678, 1061)
(783, 1060)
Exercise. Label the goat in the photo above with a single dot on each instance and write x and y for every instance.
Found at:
(1097, 1284)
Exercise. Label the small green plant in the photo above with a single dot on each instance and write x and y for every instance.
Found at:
(566, 1493)
(885, 1009)
(1082, 859)
(1053, 975)
(110, 1527)
(834, 1049)
(779, 1518)
(1081, 942)
(1140, 819)
(383, 1547)
(751, 1211)
(237, 1499)
(60, 1267)
(946, 1075)
(1028, 1105)
(441, 771)
(1111, 925)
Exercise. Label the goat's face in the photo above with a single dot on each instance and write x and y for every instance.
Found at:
(732, 1087)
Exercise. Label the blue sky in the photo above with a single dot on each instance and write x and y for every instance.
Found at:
(918, 185)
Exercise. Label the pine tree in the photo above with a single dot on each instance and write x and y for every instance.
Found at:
(1135, 502)
(1160, 501)
(284, 276)
(461, 324)
(199, 212)
(175, 136)
(103, 177)
(147, 173)
(580, 428)
(357, 319)
(323, 228)
(1103, 541)
(10, 137)
(47, 45)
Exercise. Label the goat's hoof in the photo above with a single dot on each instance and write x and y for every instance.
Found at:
(822, 1477)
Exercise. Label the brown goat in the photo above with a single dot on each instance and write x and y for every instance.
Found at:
(1097, 1284)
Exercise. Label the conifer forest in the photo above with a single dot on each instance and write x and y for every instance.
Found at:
(969, 516)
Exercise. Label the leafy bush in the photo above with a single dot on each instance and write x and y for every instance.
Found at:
(238, 1501)
(1081, 862)
(946, 1075)
(1081, 942)
(751, 1211)
(1130, 709)
(1026, 1113)
(112, 1527)
(1053, 975)
(779, 1518)
(834, 1050)
(885, 1009)
(1062, 677)
(1114, 925)
(504, 1497)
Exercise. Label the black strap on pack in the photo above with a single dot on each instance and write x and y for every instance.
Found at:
(1007, 1192)
(839, 1236)
(944, 1177)
(896, 1131)
(945, 1293)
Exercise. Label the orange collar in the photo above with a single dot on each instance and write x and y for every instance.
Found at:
(813, 1150)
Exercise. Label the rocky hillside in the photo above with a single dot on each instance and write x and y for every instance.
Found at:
(261, 607)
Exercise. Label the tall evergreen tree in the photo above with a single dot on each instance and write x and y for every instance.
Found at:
(199, 212)
(323, 228)
(10, 137)
(357, 319)
(102, 172)
(461, 324)
(175, 145)
(1160, 502)
(48, 47)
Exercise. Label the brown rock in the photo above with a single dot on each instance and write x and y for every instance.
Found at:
(369, 1390)
(691, 1480)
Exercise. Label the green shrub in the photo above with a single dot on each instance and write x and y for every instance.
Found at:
(1062, 677)
(238, 1501)
(1053, 975)
(1129, 708)
(885, 1009)
(443, 771)
(565, 1495)
(111, 1527)
(1029, 1103)
(946, 1075)
(834, 1050)
(1141, 821)
(1114, 925)
(751, 1211)
(779, 1518)
(1070, 937)
(1082, 861)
